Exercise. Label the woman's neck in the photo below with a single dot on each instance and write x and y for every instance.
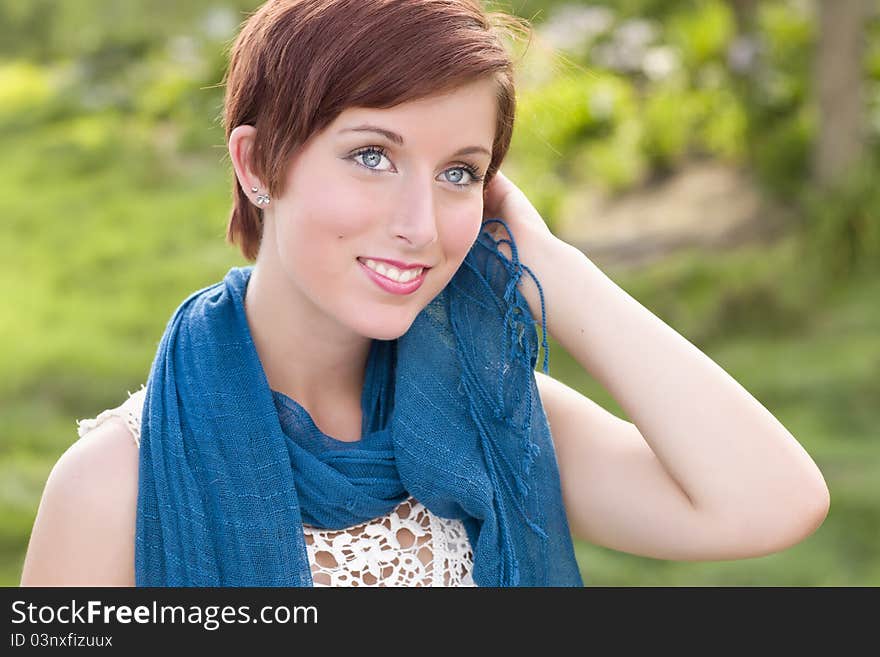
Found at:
(305, 354)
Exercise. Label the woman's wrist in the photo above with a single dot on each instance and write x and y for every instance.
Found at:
(553, 262)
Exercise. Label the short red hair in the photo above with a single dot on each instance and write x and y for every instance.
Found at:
(297, 64)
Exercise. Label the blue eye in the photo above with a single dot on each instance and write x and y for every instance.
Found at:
(375, 152)
(378, 153)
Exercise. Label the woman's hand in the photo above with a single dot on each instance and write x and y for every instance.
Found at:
(504, 200)
(534, 240)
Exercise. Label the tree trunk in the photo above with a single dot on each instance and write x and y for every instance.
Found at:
(744, 11)
(838, 83)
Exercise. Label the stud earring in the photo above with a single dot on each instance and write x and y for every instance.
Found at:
(262, 198)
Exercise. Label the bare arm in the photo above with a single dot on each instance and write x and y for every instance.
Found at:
(83, 534)
(734, 464)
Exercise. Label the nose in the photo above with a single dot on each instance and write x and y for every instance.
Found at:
(415, 220)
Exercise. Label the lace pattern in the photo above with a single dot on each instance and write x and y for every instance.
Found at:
(129, 412)
(410, 546)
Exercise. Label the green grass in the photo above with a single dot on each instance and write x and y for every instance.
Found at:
(102, 239)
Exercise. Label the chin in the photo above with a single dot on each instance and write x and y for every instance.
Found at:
(386, 330)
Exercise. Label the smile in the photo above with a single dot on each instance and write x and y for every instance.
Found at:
(392, 272)
(406, 283)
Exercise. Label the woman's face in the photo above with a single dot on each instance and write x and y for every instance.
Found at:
(353, 195)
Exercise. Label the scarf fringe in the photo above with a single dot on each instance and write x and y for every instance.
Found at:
(492, 436)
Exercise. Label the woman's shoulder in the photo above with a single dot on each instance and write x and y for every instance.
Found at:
(84, 530)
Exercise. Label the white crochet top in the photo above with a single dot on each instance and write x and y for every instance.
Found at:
(410, 546)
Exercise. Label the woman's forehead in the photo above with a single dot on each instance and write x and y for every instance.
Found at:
(460, 115)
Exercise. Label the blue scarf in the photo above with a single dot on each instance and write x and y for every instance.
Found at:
(230, 469)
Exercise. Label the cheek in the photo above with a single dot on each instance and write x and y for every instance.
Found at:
(335, 213)
(461, 235)
(320, 232)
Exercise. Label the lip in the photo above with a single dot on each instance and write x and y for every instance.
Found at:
(393, 286)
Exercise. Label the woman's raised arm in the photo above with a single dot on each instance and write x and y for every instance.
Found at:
(736, 464)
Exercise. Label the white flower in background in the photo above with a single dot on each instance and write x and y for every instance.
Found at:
(601, 102)
(627, 49)
(183, 51)
(219, 22)
(660, 61)
(636, 33)
(574, 27)
(742, 55)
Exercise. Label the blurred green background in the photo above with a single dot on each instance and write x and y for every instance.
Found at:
(718, 159)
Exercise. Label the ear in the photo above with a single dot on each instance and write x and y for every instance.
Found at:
(241, 142)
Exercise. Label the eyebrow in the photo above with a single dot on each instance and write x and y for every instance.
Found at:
(397, 139)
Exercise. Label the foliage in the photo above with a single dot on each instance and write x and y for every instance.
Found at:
(841, 231)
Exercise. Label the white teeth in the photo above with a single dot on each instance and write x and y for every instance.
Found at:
(392, 272)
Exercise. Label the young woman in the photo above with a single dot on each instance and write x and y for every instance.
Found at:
(360, 406)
